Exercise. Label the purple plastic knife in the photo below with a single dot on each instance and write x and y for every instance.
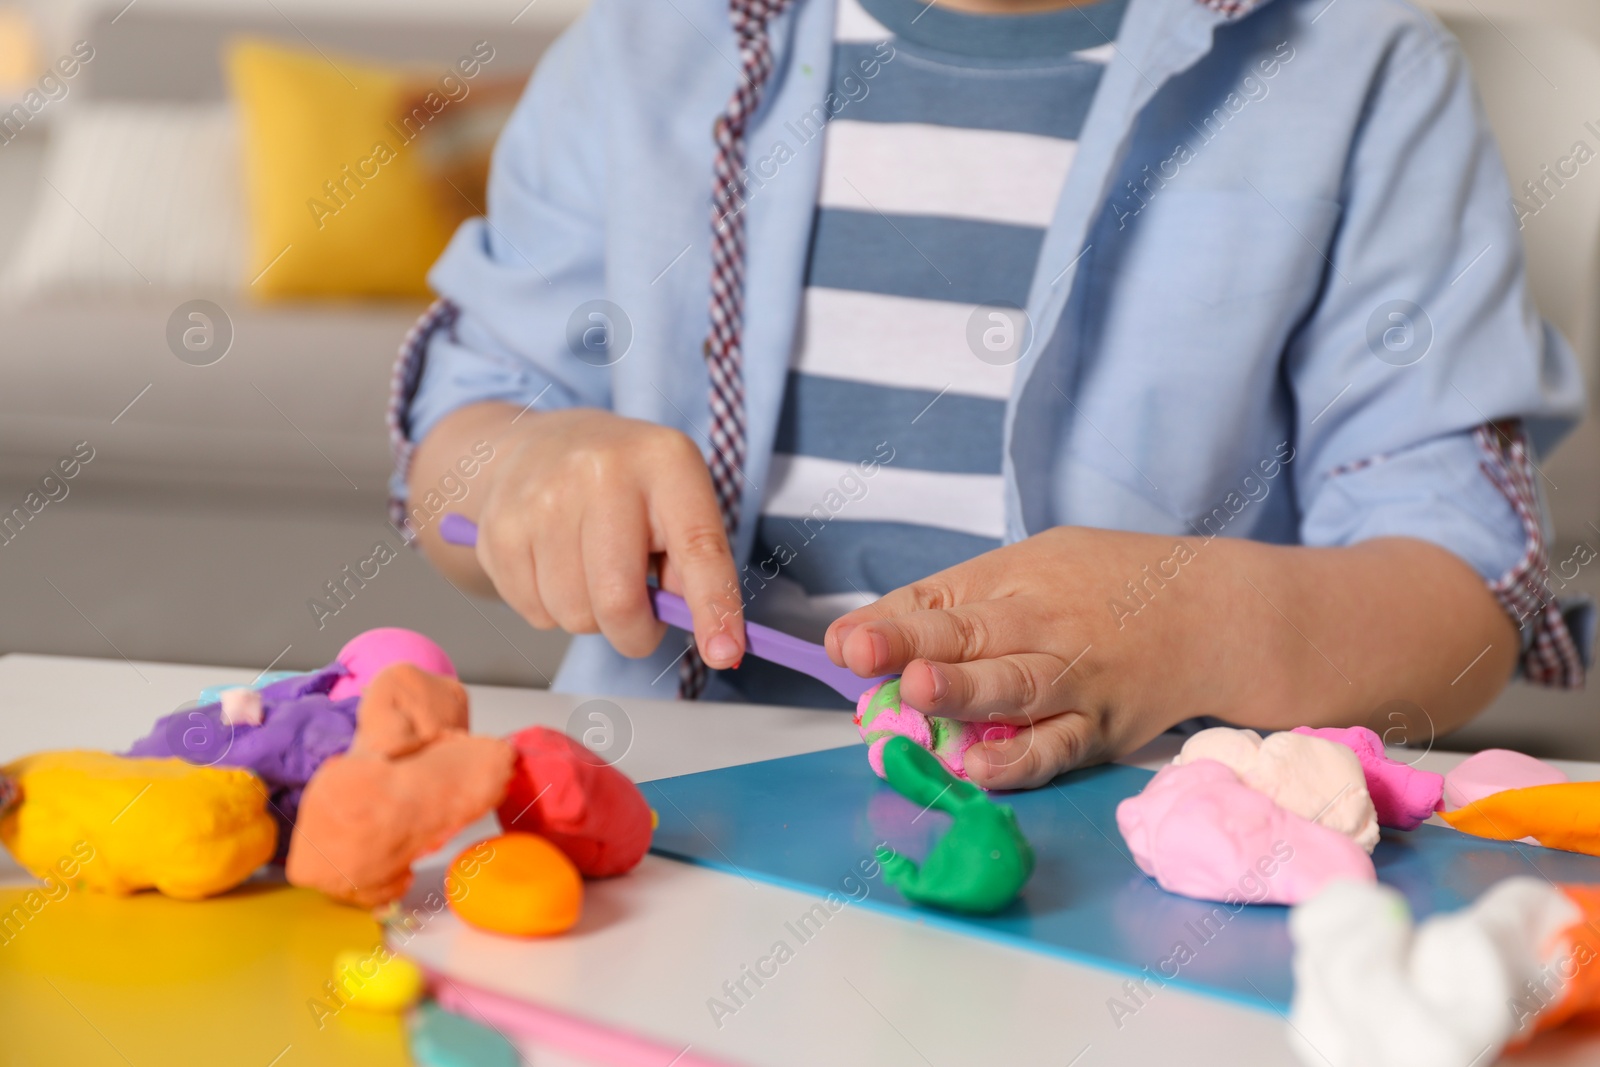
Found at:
(761, 641)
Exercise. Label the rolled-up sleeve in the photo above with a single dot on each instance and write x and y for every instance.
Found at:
(1473, 493)
(1425, 383)
(508, 282)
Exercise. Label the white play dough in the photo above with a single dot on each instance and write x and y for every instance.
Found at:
(241, 706)
(1316, 779)
(1371, 992)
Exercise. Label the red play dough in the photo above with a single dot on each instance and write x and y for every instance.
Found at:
(584, 806)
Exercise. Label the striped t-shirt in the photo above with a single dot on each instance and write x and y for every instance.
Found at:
(949, 140)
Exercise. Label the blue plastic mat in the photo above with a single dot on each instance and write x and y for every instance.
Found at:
(810, 823)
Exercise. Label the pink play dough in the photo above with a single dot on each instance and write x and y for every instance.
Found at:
(1403, 796)
(1495, 770)
(1201, 832)
(368, 653)
(881, 715)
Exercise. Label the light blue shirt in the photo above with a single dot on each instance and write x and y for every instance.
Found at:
(1285, 245)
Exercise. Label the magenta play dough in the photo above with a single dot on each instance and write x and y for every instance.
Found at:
(1201, 832)
(372, 651)
(1403, 796)
(1494, 770)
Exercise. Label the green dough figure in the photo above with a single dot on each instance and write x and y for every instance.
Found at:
(980, 864)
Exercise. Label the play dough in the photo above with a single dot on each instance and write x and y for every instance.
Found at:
(980, 864)
(1494, 770)
(1565, 816)
(517, 884)
(241, 706)
(212, 694)
(441, 1038)
(581, 804)
(405, 708)
(284, 729)
(1576, 996)
(1201, 832)
(1402, 796)
(881, 715)
(300, 726)
(1371, 991)
(365, 819)
(131, 824)
(375, 979)
(367, 654)
(413, 781)
(1315, 779)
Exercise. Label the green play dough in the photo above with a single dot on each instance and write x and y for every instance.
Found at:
(980, 864)
(443, 1039)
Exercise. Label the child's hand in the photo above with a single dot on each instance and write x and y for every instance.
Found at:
(1095, 641)
(579, 503)
(1019, 635)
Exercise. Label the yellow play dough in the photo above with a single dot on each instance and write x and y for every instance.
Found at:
(377, 979)
(118, 825)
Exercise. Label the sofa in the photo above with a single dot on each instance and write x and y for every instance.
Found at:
(220, 499)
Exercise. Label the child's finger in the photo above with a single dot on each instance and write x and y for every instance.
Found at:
(966, 583)
(1018, 689)
(1037, 754)
(558, 568)
(697, 551)
(506, 555)
(950, 635)
(616, 565)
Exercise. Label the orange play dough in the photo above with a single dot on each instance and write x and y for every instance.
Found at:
(1574, 965)
(517, 884)
(405, 708)
(412, 779)
(365, 819)
(1564, 816)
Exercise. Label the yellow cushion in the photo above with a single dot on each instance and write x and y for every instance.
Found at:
(339, 198)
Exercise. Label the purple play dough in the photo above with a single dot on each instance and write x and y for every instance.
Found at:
(301, 726)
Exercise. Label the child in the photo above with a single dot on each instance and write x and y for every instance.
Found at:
(1094, 365)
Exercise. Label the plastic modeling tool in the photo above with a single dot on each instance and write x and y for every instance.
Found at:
(761, 641)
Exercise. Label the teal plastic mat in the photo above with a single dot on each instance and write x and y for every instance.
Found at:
(810, 823)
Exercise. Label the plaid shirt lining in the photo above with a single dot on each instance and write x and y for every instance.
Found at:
(1550, 654)
(441, 315)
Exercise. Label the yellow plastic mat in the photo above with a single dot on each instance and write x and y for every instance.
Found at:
(89, 979)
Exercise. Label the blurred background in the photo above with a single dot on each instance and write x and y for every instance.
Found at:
(193, 322)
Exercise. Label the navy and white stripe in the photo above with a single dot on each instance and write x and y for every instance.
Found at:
(940, 177)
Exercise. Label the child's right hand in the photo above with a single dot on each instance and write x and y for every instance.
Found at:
(577, 506)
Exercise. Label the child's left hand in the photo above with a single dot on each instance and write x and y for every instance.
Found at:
(1048, 634)
(1022, 635)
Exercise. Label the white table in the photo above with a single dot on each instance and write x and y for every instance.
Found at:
(656, 945)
